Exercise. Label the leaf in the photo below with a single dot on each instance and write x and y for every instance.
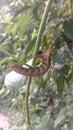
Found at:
(47, 123)
(64, 128)
(30, 46)
(65, 70)
(66, 39)
(60, 84)
(57, 43)
(22, 10)
(60, 118)
(2, 61)
(70, 124)
(35, 13)
(50, 125)
(68, 28)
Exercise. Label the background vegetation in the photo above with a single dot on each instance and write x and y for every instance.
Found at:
(51, 95)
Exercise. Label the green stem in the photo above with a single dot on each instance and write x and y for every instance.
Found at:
(41, 28)
(70, 7)
(11, 55)
(27, 105)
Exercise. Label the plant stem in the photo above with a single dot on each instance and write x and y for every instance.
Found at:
(41, 28)
(70, 7)
(11, 55)
(27, 105)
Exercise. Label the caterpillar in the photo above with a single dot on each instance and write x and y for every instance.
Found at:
(37, 71)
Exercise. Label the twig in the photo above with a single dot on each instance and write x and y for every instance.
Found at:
(41, 28)
(70, 7)
(11, 55)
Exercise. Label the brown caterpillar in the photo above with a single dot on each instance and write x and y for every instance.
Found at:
(37, 71)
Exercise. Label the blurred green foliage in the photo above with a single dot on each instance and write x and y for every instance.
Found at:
(51, 95)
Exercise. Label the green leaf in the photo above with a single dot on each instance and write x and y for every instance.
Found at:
(65, 70)
(22, 10)
(61, 117)
(60, 84)
(47, 123)
(30, 46)
(50, 125)
(70, 124)
(68, 28)
(65, 128)
(2, 61)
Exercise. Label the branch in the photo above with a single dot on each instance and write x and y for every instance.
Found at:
(41, 28)
(11, 55)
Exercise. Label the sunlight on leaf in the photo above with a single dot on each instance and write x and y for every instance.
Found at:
(61, 116)
(70, 124)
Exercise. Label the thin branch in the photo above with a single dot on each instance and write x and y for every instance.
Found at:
(11, 55)
(41, 28)
(70, 7)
